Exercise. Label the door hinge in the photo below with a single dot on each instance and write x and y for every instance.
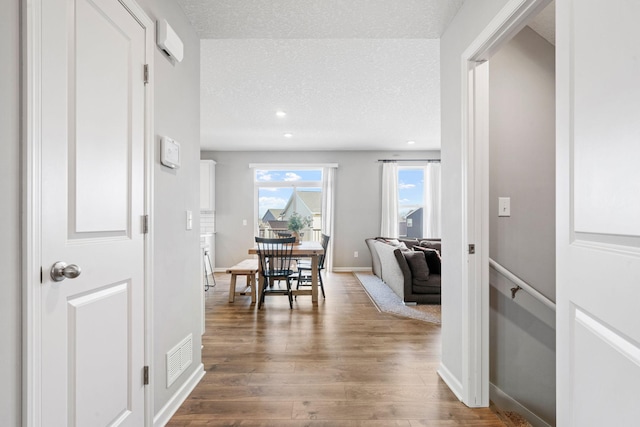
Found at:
(146, 73)
(472, 249)
(145, 224)
(146, 375)
(41, 277)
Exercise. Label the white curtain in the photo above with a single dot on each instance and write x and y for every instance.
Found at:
(389, 224)
(433, 200)
(328, 201)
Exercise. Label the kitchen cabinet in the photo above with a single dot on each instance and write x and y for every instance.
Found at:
(207, 185)
(207, 226)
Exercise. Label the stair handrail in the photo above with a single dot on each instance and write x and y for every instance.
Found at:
(521, 284)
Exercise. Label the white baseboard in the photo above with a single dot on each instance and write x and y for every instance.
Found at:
(506, 403)
(452, 382)
(164, 415)
(351, 269)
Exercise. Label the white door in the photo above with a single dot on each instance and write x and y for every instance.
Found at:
(92, 326)
(598, 213)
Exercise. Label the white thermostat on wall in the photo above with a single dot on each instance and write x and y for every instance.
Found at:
(169, 152)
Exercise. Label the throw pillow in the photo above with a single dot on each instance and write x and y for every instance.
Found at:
(432, 256)
(397, 244)
(418, 265)
(431, 245)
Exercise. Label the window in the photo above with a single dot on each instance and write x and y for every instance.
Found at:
(281, 192)
(411, 201)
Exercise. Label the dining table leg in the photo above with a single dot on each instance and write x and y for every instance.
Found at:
(260, 282)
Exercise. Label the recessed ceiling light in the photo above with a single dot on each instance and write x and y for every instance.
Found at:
(288, 135)
(411, 142)
(280, 113)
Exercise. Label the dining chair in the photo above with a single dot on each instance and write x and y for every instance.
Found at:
(305, 268)
(275, 265)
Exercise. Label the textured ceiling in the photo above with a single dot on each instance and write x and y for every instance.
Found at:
(338, 94)
(350, 74)
(320, 19)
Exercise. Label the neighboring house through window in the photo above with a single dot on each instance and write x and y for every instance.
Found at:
(411, 201)
(418, 200)
(281, 192)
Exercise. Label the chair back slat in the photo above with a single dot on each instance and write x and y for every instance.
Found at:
(275, 256)
(325, 245)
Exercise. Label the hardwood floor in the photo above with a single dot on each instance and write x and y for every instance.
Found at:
(339, 363)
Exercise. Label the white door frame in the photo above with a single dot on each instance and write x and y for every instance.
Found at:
(31, 206)
(475, 193)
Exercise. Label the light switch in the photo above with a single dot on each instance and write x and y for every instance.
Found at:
(504, 206)
(244, 222)
(189, 220)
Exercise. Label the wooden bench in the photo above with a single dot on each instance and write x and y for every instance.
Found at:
(247, 268)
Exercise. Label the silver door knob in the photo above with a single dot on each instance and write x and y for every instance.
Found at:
(61, 271)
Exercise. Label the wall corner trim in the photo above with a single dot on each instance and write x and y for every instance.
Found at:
(451, 381)
(164, 415)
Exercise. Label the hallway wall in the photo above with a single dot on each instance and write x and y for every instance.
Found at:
(522, 159)
(472, 18)
(522, 167)
(10, 246)
(177, 284)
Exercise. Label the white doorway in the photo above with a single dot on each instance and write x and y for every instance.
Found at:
(88, 115)
(598, 335)
(475, 87)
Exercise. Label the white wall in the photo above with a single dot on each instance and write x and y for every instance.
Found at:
(357, 199)
(522, 167)
(11, 297)
(466, 26)
(177, 283)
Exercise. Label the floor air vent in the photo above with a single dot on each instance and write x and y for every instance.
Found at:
(178, 359)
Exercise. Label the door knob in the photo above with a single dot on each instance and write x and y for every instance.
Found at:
(61, 271)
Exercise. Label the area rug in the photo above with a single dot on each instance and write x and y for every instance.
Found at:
(388, 302)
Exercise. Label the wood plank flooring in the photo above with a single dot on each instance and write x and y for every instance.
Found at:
(338, 363)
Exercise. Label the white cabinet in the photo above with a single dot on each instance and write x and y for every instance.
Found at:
(207, 225)
(207, 185)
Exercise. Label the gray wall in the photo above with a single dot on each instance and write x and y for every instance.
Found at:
(522, 159)
(357, 200)
(11, 298)
(176, 283)
(472, 18)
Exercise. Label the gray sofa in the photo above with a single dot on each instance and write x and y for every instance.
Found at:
(400, 264)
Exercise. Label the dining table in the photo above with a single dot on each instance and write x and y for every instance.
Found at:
(305, 249)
